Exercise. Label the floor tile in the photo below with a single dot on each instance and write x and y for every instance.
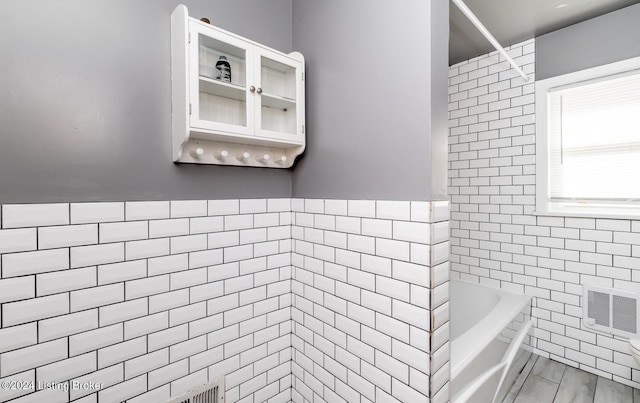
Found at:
(537, 390)
(548, 369)
(608, 391)
(576, 387)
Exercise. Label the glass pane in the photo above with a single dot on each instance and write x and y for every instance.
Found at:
(278, 79)
(223, 110)
(278, 82)
(279, 120)
(222, 82)
(595, 140)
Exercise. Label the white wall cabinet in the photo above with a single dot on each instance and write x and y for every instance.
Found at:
(255, 119)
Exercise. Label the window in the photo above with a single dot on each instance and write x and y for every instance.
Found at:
(588, 142)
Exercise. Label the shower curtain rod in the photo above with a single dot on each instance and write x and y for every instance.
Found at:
(484, 31)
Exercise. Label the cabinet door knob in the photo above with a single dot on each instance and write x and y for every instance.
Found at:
(252, 88)
(259, 90)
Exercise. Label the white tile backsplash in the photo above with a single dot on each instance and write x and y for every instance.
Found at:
(167, 228)
(120, 312)
(95, 339)
(106, 377)
(121, 352)
(412, 231)
(377, 228)
(398, 250)
(362, 208)
(166, 301)
(393, 210)
(31, 357)
(147, 248)
(66, 325)
(68, 369)
(223, 207)
(119, 272)
(16, 337)
(123, 231)
(160, 394)
(14, 289)
(34, 215)
(238, 222)
(18, 240)
(125, 390)
(66, 280)
(203, 225)
(87, 213)
(188, 208)
(63, 236)
(82, 256)
(96, 296)
(153, 298)
(168, 264)
(27, 377)
(336, 207)
(421, 211)
(279, 205)
(358, 299)
(146, 210)
(20, 264)
(205, 258)
(15, 313)
(188, 243)
(252, 206)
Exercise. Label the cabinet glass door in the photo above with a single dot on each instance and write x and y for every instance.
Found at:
(279, 114)
(219, 97)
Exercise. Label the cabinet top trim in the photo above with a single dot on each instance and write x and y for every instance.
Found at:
(297, 56)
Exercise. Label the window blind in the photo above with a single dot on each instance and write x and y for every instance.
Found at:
(594, 140)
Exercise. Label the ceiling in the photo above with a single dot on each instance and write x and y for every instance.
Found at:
(513, 21)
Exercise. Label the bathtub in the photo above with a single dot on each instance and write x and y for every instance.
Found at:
(483, 322)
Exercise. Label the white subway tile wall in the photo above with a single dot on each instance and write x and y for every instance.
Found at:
(497, 241)
(363, 307)
(150, 299)
(147, 299)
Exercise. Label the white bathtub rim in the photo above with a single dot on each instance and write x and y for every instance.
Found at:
(467, 346)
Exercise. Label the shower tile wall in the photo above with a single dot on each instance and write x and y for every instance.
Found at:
(150, 299)
(497, 241)
(370, 301)
(147, 298)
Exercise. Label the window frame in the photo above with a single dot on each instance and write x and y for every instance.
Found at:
(544, 206)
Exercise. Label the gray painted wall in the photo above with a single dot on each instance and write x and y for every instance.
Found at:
(85, 109)
(370, 97)
(439, 72)
(606, 39)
